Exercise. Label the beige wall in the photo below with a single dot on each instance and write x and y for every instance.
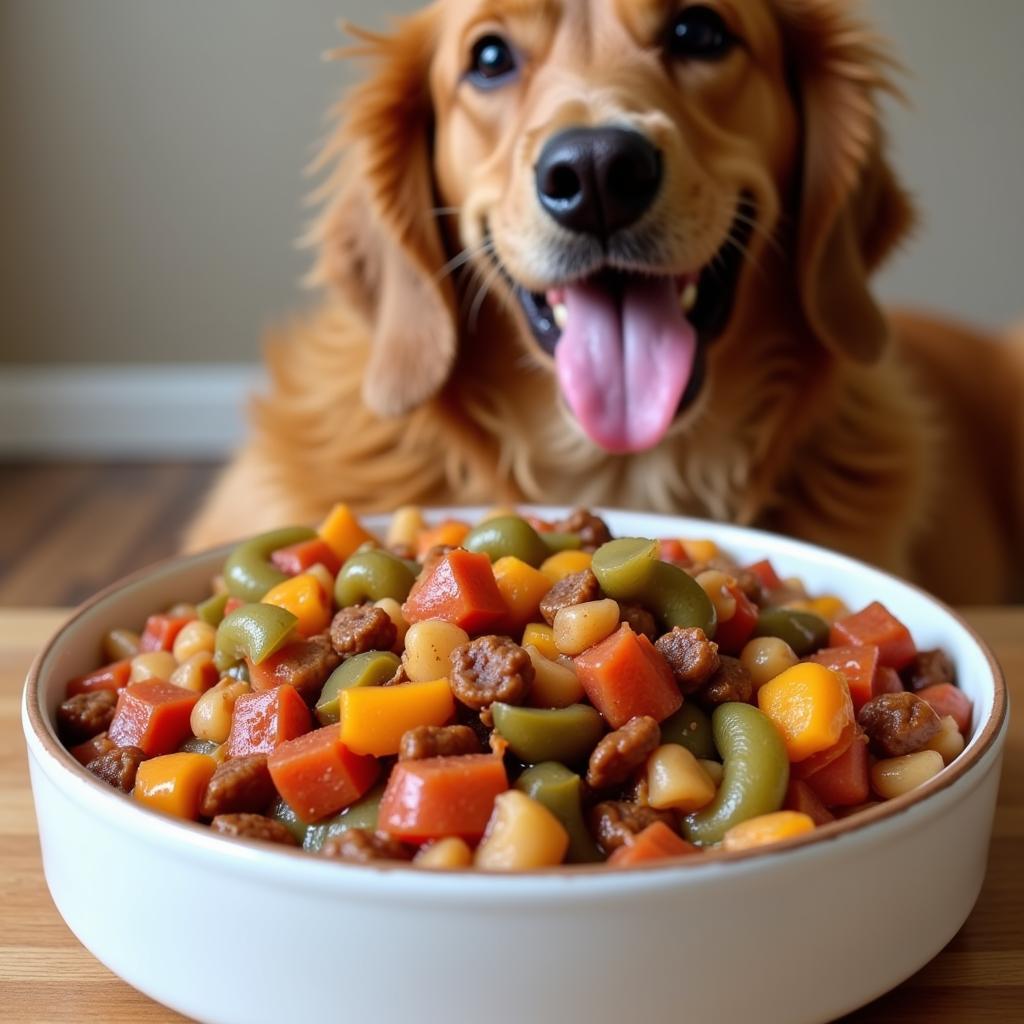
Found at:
(152, 151)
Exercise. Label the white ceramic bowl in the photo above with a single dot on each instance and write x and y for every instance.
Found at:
(237, 932)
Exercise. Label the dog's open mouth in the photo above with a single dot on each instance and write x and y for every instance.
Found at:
(630, 347)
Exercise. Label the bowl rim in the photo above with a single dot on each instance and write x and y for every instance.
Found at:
(44, 734)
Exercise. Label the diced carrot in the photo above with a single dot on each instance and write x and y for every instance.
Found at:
(766, 574)
(624, 675)
(293, 664)
(261, 722)
(857, 665)
(948, 699)
(441, 796)
(317, 775)
(672, 550)
(521, 588)
(656, 842)
(844, 782)
(153, 716)
(232, 604)
(160, 631)
(732, 633)
(816, 762)
(304, 597)
(342, 532)
(451, 533)
(110, 677)
(460, 588)
(174, 783)
(810, 705)
(91, 749)
(374, 718)
(875, 625)
(297, 558)
(800, 797)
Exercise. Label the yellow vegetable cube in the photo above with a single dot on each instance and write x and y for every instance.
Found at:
(342, 532)
(810, 705)
(565, 563)
(522, 587)
(374, 718)
(541, 636)
(174, 783)
(767, 828)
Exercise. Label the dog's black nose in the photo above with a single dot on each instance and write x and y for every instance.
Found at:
(597, 180)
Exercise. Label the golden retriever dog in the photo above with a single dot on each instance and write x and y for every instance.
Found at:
(617, 252)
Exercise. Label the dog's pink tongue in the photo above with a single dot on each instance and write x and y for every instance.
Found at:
(624, 362)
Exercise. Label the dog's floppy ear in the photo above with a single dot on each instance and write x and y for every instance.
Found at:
(378, 239)
(851, 209)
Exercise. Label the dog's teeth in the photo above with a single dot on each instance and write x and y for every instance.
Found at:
(689, 297)
(561, 314)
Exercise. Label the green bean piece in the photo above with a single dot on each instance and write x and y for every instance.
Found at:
(549, 734)
(371, 668)
(804, 631)
(253, 631)
(194, 745)
(690, 727)
(248, 573)
(560, 791)
(677, 599)
(756, 773)
(362, 814)
(211, 611)
(624, 567)
(283, 813)
(628, 569)
(507, 535)
(371, 575)
(561, 541)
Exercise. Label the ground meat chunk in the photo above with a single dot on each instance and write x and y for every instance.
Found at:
(593, 531)
(929, 668)
(306, 664)
(361, 846)
(576, 588)
(614, 822)
(118, 767)
(898, 723)
(437, 741)
(363, 627)
(621, 752)
(692, 657)
(732, 682)
(86, 715)
(490, 668)
(639, 619)
(253, 826)
(239, 785)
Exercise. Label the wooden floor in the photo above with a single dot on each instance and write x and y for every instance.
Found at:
(67, 529)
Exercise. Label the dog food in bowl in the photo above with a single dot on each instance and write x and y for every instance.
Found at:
(511, 694)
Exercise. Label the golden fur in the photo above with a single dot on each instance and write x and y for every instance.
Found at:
(416, 380)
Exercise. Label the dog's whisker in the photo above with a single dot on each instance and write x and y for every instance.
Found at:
(464, 256)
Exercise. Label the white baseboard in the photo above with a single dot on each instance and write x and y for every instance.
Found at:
(119, 411)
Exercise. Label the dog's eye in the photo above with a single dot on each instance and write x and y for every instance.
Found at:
(699, 33)
(492, 62)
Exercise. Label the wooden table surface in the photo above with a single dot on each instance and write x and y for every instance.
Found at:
(47, 976)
